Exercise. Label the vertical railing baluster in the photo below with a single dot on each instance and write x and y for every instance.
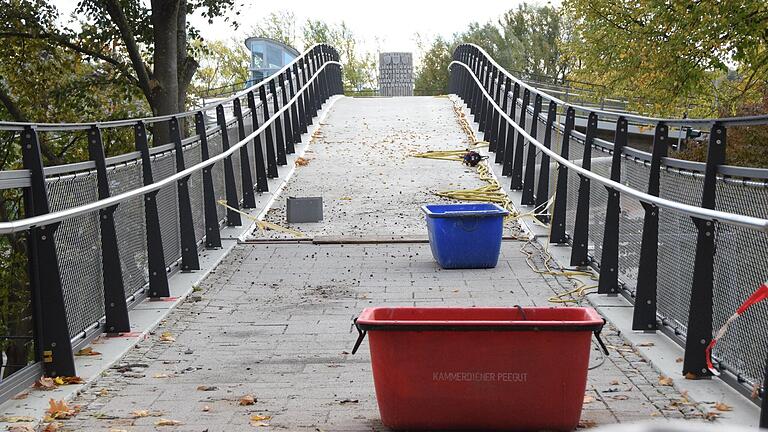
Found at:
(494, 126)
(530, 164)
(764, 404)
(509, 145)
(295, 120)
(115, 307)
(278, 123)
(579, 249)
(517, 164)
(212, 234)
(308, 92)
(53, 342)
(542, 191)
(158, 272)
(300, 101)
(230, 187)
(271, 155)
(501, 135)
(699, 332)
(290, 137)
(557, 232)
(644, 314)
(262, 185)
(249, 200)
(609, 259)
(189, 259)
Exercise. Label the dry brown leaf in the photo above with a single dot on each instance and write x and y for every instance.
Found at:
(87, 351)
(711, 416)
(620, 397)
(118, 430)
(302, 161)
(167, 337)
(21, 396)
(140, 413)
(665, 380)
(722, 406)
(52, 427)
(615, 382)
(67, 380)
(247, 400)
(588, 399)
(58, 409)
(646, 344)
(206, 388)
(346, 198)
(167, 422)
(161, 375)
(755, 391)
(20, 428)
(103, 392)
(679, 360)
(260, 420)
(586, 424)
(206, 408)
(16, 419)
(45, 383)
(691, 376)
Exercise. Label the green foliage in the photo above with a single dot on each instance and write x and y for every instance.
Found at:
(280, 26)
(432, 77)
(221, 64)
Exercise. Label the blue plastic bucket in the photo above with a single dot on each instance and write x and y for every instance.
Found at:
(465, 235)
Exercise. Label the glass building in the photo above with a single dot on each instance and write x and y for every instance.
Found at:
(267, 57)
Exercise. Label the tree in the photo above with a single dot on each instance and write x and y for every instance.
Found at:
(221, 64)
(280, 26)
(432, 75)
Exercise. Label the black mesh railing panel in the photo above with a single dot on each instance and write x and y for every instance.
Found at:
(79, 253)
(635, 175)
(575, 155)
(598, 200)
(164, 166)
(234, 138)
(219, 193)
(130, 225)
(248, 121)
(677, 248)
(193, 157)
(741, 265)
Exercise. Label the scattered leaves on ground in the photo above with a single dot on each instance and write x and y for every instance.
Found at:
(247, 400)
(20, 428)
(52, 427)
(45, 383)
(16, 419)
(665, 380)
(167, 422)
(87, 351)
(260, 420)
(167, 337)
(722, 406)
(67, 380)
(586, 424)
(145, 413)
(206, 388)
(302, 161)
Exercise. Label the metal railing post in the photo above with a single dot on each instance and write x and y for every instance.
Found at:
(230, 187)
(764, 404)
(557, 232)
(115, 307)
(158, 272)
(527, 197)
(699, 332)
(509, 145)
(501, 135)
(307, 95)
(262, 185)
(609, 261)
(271, 156)
(644, 314)
(494, 126)
(295, 120)
(579, 249)
(484, 73)
(542, 191)
(278, 123)
(249, 200)
(45, 278)
(300, 101)
(212, 234)
(189, 258)
(517, 164)
(290, 137)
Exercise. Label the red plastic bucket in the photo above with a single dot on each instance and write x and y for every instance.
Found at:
(479, 368)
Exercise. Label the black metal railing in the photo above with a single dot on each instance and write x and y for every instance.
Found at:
(105, 233)
(685, 242)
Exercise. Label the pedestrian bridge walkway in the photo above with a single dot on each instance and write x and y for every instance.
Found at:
(201, 320)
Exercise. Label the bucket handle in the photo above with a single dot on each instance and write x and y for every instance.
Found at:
(360, 337)
(600, 340)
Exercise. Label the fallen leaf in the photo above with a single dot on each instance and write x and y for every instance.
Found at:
(206, 388)
(45, 383)
(247, 400)
(21, 396)
(646, 344)
(52, 427)
(140, 413)
(588, 399)
(118, 430)
(346, 198)
(72, 380)
(103, 392)
(206, 408)
(167, 337)
(679, 360)
(346, 401)
(691, 376)
(711, 416)
(16, 419)
(620, 397)
(58, 409)
(161, 375)
(586, 424)
(302, 161)
(167, 422)
(260, 420)
(20, 428)
(87, 351)
(665, 380)
(722, 406)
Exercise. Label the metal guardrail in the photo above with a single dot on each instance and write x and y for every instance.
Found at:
(104, 234)
(685, 242)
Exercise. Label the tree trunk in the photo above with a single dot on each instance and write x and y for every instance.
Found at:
(165, 95)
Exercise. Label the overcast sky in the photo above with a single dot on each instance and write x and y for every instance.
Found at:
(389, 25)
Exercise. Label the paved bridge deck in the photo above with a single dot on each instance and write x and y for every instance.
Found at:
(273, 320)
